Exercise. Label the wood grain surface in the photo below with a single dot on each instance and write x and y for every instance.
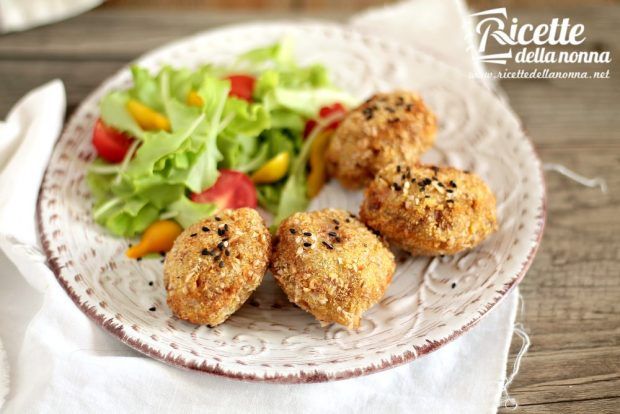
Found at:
(572, 291)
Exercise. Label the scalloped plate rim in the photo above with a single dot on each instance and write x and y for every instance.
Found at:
(301, 376)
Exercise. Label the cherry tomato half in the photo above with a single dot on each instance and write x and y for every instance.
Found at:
(111, 144)
(325, 112)
(233, 189)
(241, 86)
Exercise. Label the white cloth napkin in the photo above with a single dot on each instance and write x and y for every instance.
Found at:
(18, 15)
(62, 362)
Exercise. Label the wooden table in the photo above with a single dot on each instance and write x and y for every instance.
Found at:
(572, 292)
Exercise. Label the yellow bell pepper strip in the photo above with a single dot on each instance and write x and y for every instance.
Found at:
(193, 99)
(147, 118)
(158, 237)
(318, 174)
(273, 170)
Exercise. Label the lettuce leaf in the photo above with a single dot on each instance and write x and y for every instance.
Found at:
(186, 212)
(308, 102)
(113, 108)
(224, 132)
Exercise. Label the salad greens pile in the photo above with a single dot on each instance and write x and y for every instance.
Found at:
(162, 167)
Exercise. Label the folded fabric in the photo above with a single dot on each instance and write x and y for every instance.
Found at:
(4, 375)
(18, 15)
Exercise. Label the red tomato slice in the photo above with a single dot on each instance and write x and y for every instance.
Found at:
(310, 124)
(332, 109)
(111, 144)
(233, 189)
(241, 86)
(325, 112)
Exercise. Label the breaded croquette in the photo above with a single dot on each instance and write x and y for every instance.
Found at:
(428, 210)
(215, 265)
(331, 265)
(387, 128)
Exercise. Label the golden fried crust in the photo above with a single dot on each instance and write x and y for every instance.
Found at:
(215, 265)
(387, 128)
(331, 265)
(428, 210)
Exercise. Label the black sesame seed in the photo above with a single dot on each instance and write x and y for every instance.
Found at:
(336, 221)
(221, 245)
(352, 216)
(293, 231)
(453, 285)
(450, 201)
(151, 283)
(226, 227)
(307, 234)
(162, 261)
(152, 308)
(396, 187)
(217, 218)
(221, 263)
(193, 235)
(205, 252)
(139, 259)
(218, 257)
(427, 196)
(329, 246)
(227, 252)
(449, 191)
(435, 169)
(348, 220)
(452, 184)
(221, 232)
(398, 168)
(403, 177)
(333, 234)
(413, 180)
(338, 239)
(205, 228)
(306, 244)
(162, 253)
(337, 227)
(441, 185)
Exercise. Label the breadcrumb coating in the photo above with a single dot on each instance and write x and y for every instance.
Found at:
(331, 265)
(387, 128)
(215, 265)
(428, 210)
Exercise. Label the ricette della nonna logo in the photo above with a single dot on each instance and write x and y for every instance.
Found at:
(504, 39)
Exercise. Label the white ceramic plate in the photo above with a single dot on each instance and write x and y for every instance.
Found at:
(430, 302)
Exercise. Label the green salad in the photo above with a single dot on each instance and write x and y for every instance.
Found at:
(182, 144)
